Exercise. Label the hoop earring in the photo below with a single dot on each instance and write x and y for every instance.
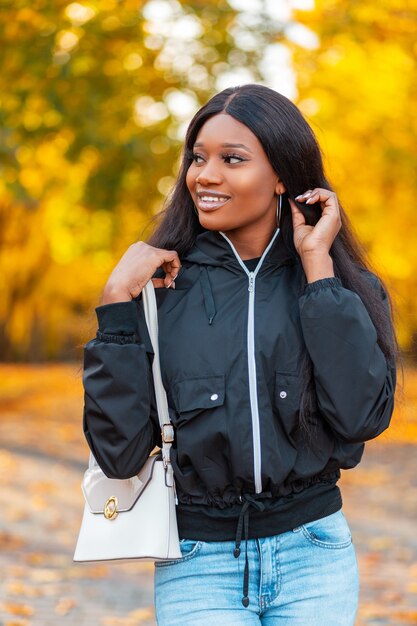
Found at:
(195, 209)
(278, 211)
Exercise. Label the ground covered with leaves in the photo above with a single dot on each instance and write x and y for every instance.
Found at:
(43, 456)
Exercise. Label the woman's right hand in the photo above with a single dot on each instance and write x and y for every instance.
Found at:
(136, 268)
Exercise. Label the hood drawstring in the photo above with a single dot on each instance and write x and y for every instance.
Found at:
(207, 293)
(244, 520)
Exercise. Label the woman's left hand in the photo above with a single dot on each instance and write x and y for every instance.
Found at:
(316, 240)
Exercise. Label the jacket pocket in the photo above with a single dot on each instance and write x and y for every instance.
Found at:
(194, 395)
(287, 397)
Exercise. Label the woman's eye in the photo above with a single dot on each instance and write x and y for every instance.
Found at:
(233, 158)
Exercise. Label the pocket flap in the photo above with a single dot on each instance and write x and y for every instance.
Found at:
(97, 488)
(200, 393)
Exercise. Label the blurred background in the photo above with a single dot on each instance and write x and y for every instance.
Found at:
(95, 98)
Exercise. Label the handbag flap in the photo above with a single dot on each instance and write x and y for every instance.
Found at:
(98, 488)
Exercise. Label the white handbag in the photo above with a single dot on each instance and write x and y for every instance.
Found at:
(134, 518)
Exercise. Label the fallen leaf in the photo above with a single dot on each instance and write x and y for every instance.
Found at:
(18, 609)
(10, 542)
(141, 614)
(406, 617)
(18, 588)
(64, 606)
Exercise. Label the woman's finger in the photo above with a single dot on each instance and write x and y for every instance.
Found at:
(298, 218)
(171, 282)
(304, 195)
(158, 282)
(171, 268)
(314, 197)
(318, 194)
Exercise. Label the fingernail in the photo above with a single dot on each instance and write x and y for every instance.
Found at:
(296, 197)
(168, 286)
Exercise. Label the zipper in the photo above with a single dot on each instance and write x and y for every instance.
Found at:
(253, 393)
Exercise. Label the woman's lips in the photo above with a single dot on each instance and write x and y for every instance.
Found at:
(210, 205)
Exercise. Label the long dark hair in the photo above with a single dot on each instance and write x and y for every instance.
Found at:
(295, 155)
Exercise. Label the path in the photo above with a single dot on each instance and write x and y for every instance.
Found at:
(42, 458)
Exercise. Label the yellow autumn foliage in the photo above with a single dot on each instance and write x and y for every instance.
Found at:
(357, 89)
(90, 138)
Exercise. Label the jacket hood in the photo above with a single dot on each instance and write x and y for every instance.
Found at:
(212, 248)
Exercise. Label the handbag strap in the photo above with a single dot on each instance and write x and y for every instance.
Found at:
(167, 430)
(151, 316)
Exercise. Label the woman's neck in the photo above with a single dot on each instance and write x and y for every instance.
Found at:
(248, 245)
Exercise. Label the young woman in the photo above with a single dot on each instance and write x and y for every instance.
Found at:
(278, 355)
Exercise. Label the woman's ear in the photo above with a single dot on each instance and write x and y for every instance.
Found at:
(280, 188)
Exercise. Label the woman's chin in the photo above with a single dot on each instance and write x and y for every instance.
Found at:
(210, 221)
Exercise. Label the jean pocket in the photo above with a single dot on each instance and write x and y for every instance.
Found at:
(331, 531)
(189, 549)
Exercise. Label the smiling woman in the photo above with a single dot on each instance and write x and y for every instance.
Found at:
(231, 171)
(278, 355)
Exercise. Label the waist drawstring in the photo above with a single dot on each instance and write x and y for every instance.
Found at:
(244, 521)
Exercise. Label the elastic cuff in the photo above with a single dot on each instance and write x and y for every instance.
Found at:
(118, 318)
(323, 283)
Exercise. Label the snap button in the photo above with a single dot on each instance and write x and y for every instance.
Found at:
(282, 394)
(214, 396)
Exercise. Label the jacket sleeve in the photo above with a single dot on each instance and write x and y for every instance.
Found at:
(120, 421)
(355, 384)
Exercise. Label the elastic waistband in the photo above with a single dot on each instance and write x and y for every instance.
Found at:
(209, 523)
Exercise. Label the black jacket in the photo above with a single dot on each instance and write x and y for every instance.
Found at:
(231, 343)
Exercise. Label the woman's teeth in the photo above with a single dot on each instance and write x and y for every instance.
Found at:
(213, 199)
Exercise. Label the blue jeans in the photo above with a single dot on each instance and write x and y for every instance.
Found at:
(307, 576)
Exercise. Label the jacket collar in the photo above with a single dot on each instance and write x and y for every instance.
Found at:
(211, 248)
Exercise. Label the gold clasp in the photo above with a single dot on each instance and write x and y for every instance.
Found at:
(110, 509)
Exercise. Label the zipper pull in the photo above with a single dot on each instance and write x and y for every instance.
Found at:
(251, 281)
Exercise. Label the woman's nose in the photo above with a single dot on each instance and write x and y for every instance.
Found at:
(209, 173)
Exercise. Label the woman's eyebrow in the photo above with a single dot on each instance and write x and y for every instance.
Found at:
(200, 144)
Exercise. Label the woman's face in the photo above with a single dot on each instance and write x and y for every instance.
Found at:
(231, 181)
